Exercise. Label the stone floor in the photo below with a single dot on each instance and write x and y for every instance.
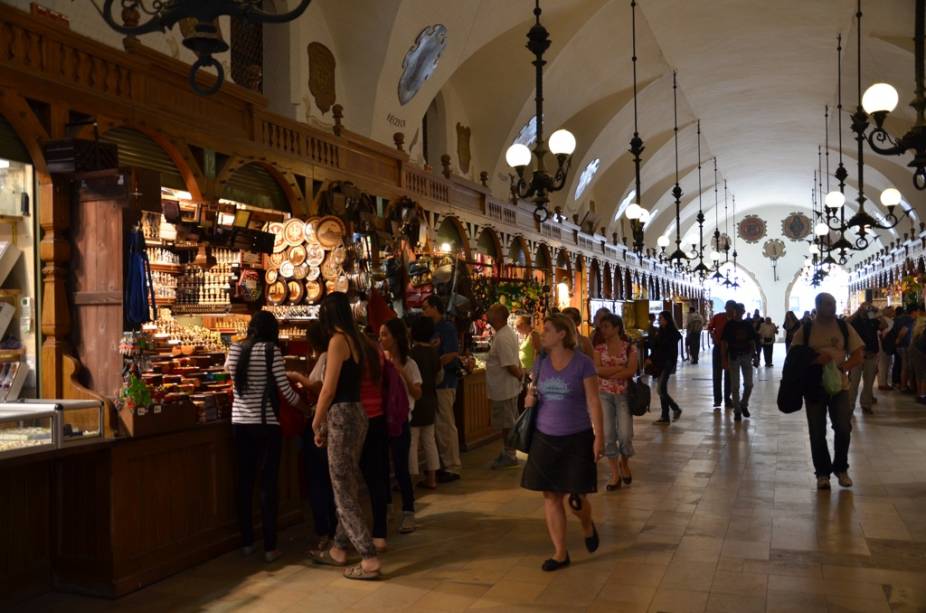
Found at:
(721, 516)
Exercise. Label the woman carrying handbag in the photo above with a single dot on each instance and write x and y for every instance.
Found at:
(566, 442)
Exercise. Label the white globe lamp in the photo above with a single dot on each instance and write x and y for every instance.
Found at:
(562, 142)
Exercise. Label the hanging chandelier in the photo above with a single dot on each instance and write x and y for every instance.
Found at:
(204, 38)
(881, 98)
(678, 258)
(715, 251)
(636, 214)
(735, 281)
(701, 269)
(863, 222)
(537, 184)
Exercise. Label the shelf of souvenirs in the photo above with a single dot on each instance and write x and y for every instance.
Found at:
(299, 314)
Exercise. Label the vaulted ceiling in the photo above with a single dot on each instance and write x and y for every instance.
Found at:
(756, 74)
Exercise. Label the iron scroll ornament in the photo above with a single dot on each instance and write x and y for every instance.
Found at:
(421, 60)
(205, 39)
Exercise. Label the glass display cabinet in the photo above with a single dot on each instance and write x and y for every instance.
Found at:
(27, 428)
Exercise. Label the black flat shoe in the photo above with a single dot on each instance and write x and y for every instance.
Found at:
(613, 487)
(676, 413)
(551, 564)
(592, 542)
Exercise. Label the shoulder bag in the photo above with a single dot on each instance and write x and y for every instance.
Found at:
(522, 433)
(638, 394)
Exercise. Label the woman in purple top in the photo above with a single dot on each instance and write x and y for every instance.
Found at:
(567, 442)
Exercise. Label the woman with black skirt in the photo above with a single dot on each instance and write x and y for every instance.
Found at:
(567, 441)
(665, 359)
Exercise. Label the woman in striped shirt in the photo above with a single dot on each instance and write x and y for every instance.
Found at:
(256, 365)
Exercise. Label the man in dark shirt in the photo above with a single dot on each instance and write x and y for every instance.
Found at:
(445, 428)
(738, 349)
(720, 373)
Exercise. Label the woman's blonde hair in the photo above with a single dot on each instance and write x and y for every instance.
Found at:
(563, 323)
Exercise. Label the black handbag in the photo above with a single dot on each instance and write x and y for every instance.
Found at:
(638, 397)
(522, 433)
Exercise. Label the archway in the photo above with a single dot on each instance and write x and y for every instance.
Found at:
(543, 265)
(451, 237)
(749, 292)
(518, 265)
(801, 295)
(488, 252)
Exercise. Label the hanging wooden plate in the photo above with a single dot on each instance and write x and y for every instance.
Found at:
(297, 255)
(296, 291)
(287, 269)
(277, 258)
(276, 293)
(338, 254)
(330, 232)
(271, 276)
(314, 291)
(330, 270)
(309, 228)
(314, 273)
(301, 271)
(294, 232)
(315, 255)
(342, 284)
(279, 243)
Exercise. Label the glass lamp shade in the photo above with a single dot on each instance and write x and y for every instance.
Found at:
(518, 155)
(663, 241)
(880, 97)
(834, 199)
(644, 216)
(562, 142)
(821, 229)
(890, 197)
(715, 256)
(814, 250)
(633, 211)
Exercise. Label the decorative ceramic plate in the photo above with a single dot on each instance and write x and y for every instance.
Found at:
(315, 255)
(314, 273)
(309, 228)
(301, 271)
(276, 293)
(296, 291)
(277, 258)
(294, 232)
(342, 284)
(338, 254)
(287, 269)
(330, 270)
(796, 226)
(297, 255)
(314, 291)
(279, 243)
(330, 232)
(271, 276)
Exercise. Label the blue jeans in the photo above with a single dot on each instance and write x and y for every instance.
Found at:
(665, 400)
(740, 364)
(840, 414)
(618, 425)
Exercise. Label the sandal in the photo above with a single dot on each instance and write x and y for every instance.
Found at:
(324, 558)
(357, 573)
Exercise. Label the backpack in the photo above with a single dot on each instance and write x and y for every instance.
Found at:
(395, 400)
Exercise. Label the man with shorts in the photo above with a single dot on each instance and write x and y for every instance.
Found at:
(503, 380)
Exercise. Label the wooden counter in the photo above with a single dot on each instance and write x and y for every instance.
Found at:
(473, 412)
(111, 518)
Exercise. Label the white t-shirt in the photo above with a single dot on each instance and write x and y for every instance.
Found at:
(504, 352)
(413, 373)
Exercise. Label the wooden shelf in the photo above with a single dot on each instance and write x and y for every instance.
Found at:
(160, 267)
(12, 355)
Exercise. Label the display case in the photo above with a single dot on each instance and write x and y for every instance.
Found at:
(79, 421)
(27, 428)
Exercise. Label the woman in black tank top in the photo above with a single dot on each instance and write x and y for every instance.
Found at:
(341, 423)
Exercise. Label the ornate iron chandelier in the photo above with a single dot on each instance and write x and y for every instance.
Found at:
(539, 183)
(636, 214)
(862, 221)
(881, 98)
(715, 251)
(701, 269)
(204, 37)
(678, 257)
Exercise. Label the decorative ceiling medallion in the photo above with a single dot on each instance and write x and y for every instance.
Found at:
(773, 248)
(421, 61)
(752, 228)
(796, 226)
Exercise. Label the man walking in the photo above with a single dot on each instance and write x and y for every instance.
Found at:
(866, 323)
(445, 427)
(693, 337)
(737, 350)
(503, 380)
(839, 344)
(720, 374)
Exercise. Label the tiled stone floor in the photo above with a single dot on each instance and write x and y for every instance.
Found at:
(720, 517)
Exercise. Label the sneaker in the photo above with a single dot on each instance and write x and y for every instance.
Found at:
(844, 479)
(823, 483)
(408, 525)
(745, 411)
(716, 406)
(504, 461)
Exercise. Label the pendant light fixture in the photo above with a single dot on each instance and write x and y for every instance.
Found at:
(678, 258)
(636, 214)
(735, 284)
(881, 98)
(715, 251)
(726, 243)
(701, 269)
(835, 200)
(538, 183)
